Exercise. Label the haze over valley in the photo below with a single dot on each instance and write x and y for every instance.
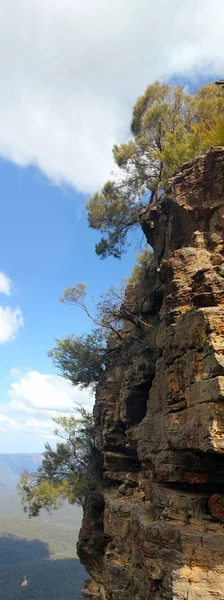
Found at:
(43, 548)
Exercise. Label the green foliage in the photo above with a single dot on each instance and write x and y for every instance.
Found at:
(169, 127)
(81, 359)
(44, 495)
(141, 267)
(67, 471)
(110, 212)
(214, 134)
(75, 295)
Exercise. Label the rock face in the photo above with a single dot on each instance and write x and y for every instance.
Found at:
(155, 529)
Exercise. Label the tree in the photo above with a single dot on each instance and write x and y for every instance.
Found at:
(66, 472)
(168, 128)
(83, 359)
(73, 468)
(144, 261)
(76, 296)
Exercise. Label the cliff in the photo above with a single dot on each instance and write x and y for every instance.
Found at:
(155, 528)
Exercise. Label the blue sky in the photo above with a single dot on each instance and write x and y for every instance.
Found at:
(45, 246)
(70, 72)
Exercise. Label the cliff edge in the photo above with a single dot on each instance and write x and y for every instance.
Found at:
(155, 527)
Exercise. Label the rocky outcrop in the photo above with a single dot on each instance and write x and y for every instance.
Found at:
(156, 529)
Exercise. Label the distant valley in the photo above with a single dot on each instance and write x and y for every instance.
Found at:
(12, 465)
(43, 548)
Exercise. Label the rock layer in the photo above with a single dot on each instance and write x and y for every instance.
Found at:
(155, 528)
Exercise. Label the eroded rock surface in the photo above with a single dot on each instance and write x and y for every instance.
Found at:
(156, 530)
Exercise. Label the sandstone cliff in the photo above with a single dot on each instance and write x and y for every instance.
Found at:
(155, 528)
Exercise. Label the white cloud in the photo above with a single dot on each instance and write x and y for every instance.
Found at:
(5, 284)
(71, 69)
(10, 321)
(16, 373)
(35, 399)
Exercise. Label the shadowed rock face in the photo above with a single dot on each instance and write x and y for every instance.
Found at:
(160, 413)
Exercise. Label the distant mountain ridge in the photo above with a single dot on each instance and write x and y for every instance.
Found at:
(12, 465)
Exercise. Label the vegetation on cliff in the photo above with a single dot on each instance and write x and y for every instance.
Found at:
(75, 466)
(67, 471)
(168, 128)
(83, 359)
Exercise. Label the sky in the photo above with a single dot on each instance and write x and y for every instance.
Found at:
(70, 72)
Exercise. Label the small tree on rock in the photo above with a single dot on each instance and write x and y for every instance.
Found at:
(67, 472)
